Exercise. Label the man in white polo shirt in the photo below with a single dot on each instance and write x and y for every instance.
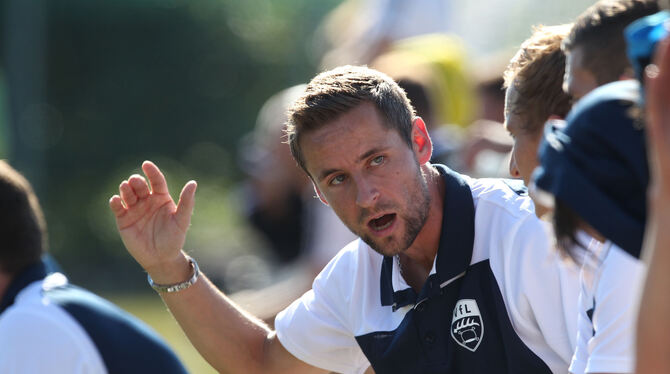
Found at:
(450, 274)
(48, 325)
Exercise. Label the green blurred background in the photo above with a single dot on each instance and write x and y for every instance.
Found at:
(91, 88)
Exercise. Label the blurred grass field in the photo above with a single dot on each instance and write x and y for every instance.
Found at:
(150, 309)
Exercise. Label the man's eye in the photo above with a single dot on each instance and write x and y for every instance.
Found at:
(377, 161)
(337, 179)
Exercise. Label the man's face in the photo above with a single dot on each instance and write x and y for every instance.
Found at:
(370, 177)
(577, 81)
(524, 151)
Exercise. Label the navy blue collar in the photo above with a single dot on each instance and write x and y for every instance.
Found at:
(456, 241)
(32, 273)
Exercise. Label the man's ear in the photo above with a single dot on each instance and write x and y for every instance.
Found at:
(421, 143)
(318, 192)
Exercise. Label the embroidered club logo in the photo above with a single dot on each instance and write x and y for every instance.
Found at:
(467, 327)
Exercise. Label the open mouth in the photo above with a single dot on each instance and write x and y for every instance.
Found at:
(383, 222)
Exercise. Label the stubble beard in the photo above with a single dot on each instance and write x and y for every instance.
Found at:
(414, 218)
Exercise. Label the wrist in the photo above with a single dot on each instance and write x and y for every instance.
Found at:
(176, 287)
(171, 271)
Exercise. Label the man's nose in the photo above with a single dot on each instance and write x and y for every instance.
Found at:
(367, 193)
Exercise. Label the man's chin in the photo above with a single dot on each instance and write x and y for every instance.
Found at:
(386, 249)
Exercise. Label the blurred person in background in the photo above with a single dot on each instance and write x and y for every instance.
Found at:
(50, 326)
(303, 233)
(485, 142)
(274, 188)
(649, 50)
(534, 94)
(593, 171)
(487, 75)
(279, 194)
(595, 48)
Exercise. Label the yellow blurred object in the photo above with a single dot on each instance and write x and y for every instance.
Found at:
(437, 62)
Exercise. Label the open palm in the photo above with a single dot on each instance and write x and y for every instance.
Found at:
(153, 228)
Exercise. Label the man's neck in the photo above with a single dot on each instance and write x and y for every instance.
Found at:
(417, 261)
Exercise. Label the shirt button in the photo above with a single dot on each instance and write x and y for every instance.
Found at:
(429, 338)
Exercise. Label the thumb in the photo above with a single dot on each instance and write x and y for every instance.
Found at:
(186, 204)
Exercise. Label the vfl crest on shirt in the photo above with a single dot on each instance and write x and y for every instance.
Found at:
(467, 327)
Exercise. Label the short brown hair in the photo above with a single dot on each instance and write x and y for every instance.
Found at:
(599, 31)
(335, 92)
(22, 225)
(536, 72)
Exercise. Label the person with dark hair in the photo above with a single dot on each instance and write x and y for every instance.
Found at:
(450, 274)
(50, 326)
(594, 169)
(276, 192)
(595, 47)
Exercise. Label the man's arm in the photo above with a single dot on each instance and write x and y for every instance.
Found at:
(153, 229)
(653, 341)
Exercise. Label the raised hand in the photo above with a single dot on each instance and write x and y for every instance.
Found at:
(153, 228)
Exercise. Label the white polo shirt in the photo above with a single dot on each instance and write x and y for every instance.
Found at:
(50, 326)
(492, 302)
(38, 336)
(611, 287)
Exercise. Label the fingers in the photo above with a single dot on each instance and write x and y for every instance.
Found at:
(127, 194)
(139, 186)
(116, 205)
(186, 204)
(156, 177)
(133, 190)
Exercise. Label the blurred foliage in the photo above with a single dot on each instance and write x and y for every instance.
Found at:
(175, 81)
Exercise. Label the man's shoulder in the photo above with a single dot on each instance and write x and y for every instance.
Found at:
(24, 319)
(29, 304)
(33, 326)
(354, 258)
(508, 196)
(32, 316)
(494, 194)
(505, 222)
